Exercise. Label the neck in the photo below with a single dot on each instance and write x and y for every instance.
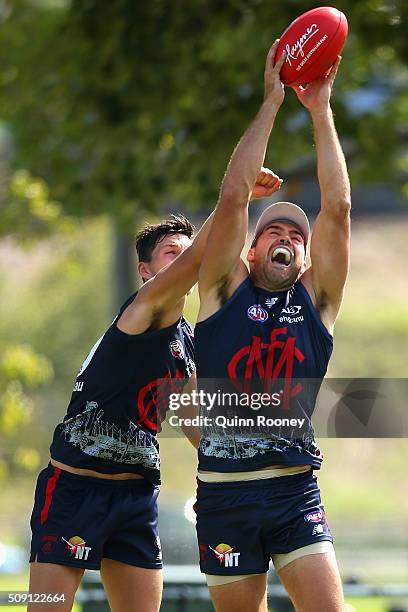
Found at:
(271, 286)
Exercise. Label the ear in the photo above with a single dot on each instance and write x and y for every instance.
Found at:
(305, 264)
(251, 255)
(144, 270)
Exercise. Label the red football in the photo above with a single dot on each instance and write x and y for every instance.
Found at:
(312, 42)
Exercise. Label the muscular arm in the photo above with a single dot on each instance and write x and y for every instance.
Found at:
(330, 242)
(222, 269)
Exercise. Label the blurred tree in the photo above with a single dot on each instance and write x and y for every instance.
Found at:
(124, 106)
(21, 371)
(54, 307)
(30, 214)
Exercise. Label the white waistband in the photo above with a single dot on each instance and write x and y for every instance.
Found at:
(271, 472)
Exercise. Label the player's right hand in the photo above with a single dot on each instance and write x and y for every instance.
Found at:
(267, 182)
(274, 90)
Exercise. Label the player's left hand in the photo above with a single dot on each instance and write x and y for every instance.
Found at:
(267, 182)
(316, 95)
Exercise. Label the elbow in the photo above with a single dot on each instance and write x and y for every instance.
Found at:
(344, 207)
(341, 208)
(234, 197)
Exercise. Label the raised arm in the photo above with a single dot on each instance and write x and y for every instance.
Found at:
(222, 269)
(330, 242)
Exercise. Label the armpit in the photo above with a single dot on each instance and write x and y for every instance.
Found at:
(322, 301)
(222, 290)
(155, 321)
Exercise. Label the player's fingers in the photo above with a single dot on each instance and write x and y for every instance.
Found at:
(275, 187)
(268, 171)
(270, 58)
(272, 180)
(334, 69)
(262, 179)
(264, 172)
(266, 177)
(280, 61)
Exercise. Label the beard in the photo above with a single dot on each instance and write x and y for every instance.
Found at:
(274, 278)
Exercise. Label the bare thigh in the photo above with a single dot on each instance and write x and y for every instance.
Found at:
(53, 578)
(313, 583)
(247, 595)
(130, 588)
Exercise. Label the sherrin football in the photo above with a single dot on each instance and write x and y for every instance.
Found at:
(312, 43)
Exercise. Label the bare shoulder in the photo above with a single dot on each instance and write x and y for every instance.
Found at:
(142, 315)
(213, 299)
(138, 317)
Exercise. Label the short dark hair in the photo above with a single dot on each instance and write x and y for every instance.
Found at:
(152, 234)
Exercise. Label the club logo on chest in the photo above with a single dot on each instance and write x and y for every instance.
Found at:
(257, 313)
(177, 349)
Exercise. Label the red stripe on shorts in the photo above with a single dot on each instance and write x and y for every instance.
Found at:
(51, 484)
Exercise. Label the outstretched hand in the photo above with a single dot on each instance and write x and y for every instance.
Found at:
(316, 95)
(273, 86)
(267, 182)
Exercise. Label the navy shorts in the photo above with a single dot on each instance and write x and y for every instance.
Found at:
(78, 520)
(240, 525)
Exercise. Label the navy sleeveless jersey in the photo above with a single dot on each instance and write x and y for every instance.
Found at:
(263, 338)
(114, 412)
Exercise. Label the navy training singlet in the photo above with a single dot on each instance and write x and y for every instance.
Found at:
(263, 336)
(115, 409)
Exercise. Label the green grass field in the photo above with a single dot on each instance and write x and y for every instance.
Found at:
(370, 604)
(354, 604)
(19, 582)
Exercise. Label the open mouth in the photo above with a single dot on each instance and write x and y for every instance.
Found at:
(282, 256)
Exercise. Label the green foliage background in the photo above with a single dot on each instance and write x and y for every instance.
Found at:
(110, 111)
(131, 105)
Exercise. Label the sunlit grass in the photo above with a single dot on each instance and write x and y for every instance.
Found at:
(19, 582)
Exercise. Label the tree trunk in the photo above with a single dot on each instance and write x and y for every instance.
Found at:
(125, 279)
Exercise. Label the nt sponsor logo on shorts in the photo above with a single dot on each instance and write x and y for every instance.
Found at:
(77, 548)
(226, 555)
